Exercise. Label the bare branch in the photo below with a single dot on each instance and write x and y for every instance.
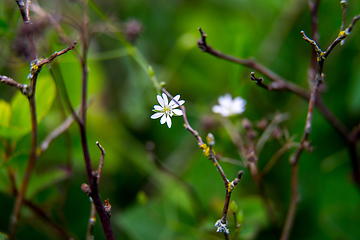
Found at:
(55, 55)
(22, 87)
(210, 154)
(344, 8)
(258, 81)
(101, 159)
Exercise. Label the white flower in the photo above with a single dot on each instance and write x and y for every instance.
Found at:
(228, 106)
(221, 227)
(166, 110)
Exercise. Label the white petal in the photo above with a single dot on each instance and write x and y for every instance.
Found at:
(163, 119)
(225, 100)
(160, 100)
(216, 109)
(181, 102)
(158, 108)
(168, 121)
(221, 110)
(177, 112)
(156, 115)
(177, 97)
(173, 104)
(166, 101)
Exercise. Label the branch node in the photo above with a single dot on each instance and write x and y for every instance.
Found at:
(86, 188)
(210, 139)
(221, 226)
(107, 207)
(202, 42)
(251, 156)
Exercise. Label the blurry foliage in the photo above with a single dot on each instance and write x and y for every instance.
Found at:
(147, 202)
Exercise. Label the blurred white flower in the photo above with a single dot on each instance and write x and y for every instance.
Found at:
(228, 106)
(221, 227)
(166, 110)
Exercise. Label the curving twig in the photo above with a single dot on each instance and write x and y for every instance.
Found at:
(210, 154)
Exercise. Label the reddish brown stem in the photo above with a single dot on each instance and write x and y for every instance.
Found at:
(209, 153)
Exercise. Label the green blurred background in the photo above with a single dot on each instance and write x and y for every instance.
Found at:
(147, 201)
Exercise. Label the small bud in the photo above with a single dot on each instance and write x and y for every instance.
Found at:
(246, 123)
(107, 207)
(151, 71)
(132, 30)
(251, 157)
(307, 146)
(210, 139)
(262, 124)
(86, 188)
(277, 133)
(252, 134)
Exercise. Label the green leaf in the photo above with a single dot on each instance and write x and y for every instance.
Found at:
(3, 26)
(254, 216)
(3, 236)
(45, 95)
(42, 181)
(5, 113)
(20, 121)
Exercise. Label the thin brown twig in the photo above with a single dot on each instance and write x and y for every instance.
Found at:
(101, 163)
(258, 81)
(56, 54)
(93, 192)
(278, 82)
(313, 6)
(344, 8)
(210, 154)
(22, 87)
(295, 159)
(92, 219)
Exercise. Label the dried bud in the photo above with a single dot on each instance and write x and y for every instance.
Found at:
(86, 188)
(252, 134)
(246, 123)
(262, 124)
(277, 133)
(307, 146)
(107, 207)
(132, 30)
(251, 156)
